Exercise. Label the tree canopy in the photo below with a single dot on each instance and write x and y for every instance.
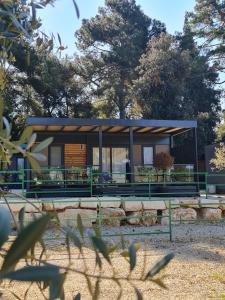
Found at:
(176, 82)
(112, 43)
(126, 66)
(207, 24)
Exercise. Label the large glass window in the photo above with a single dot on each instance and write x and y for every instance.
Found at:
(119, 162)
(105, 158)
(148, 155)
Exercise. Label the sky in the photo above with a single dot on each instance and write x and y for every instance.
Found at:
(62, 17)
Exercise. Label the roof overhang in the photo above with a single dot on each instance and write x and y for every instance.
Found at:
(170, 127)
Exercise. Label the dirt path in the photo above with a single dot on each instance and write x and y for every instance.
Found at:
(196, 272)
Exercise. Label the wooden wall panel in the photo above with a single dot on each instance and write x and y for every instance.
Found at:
(162, 148)
(137, 155)
(75, 155)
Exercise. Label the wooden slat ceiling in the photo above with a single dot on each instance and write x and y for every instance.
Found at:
(108, 129)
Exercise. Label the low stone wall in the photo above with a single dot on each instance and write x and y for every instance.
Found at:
(116, 211)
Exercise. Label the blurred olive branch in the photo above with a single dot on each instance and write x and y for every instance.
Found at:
(38, 270)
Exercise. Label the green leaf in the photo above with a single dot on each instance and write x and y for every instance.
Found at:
(4, 225)
(26, 135)
(44, 144)
(31, 141)
(159, 283)
(97, 289)
(72, 235)
(34, 273)
(25, 240)
(101, 246)
(59, 39)
(34, 164)
(89, 284)
(1, 107)
(137, 246)
(124, 253)
(96, 229)
(7, 127)
(133, 256)
(38, 156)
(80, 225)
(122, 241)
(160, 265)
(98, 260)
(111, 248)
(56, 290)
(138, 294)
(76, 9)
(77, 297)
(21, 217)
(39, 41)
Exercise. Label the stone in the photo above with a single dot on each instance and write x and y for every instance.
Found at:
(112, 216)
(209, 203)
(89, 202)
(131, 204)
(189, 202)
(60, 204)
(179, 215)
(113, 202)
(165, 217)
(149, 217)
(175, 203)
(222, 204)
(134, 217)
(18, 204)
(69, 217)
(184, 214)
(211, 214)
(154, 204)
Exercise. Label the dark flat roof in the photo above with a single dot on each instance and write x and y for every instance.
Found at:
(111, 125)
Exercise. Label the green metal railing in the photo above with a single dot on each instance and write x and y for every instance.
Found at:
(56, 182)
(100, 218)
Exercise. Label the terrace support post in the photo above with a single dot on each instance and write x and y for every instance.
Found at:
(131, 153)
(27, 176)
(171, 142)
(196, 156)
(100, 152)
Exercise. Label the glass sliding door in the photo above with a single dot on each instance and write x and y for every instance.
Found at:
(56, 162)
(119, 161)
(105, 159)
(114, 161)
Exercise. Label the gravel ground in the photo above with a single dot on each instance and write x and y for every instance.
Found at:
(196, 272)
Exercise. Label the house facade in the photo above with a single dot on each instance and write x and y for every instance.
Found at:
(119, 149)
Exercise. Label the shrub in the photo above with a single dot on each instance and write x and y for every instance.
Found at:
(163, 161)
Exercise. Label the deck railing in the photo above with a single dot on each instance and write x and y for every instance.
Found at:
(89, 181)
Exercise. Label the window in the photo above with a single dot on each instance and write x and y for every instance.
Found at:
(56, 156)
(148, 155)
(105, 158)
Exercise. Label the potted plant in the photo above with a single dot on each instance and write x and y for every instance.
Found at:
(163, 163)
